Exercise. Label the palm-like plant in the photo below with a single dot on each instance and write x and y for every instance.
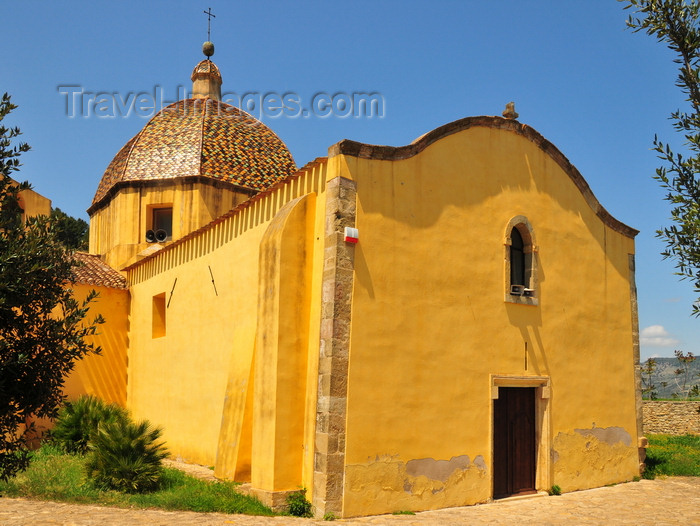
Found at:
(126, 456)
(77, 421)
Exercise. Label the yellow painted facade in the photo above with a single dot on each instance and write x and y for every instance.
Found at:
(373, 374)
(103, 375)
(430, 328)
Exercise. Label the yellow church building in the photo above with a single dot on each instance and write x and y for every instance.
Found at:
(392, 328)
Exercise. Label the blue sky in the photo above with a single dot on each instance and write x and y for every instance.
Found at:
(596, 90)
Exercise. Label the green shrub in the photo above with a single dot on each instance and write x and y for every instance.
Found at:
(555, 490)
(297, 504)
(78, 420)
(126, 456)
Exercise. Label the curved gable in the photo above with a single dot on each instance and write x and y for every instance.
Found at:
(396, 153)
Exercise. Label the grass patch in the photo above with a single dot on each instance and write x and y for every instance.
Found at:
(54, 475)
(673, 456)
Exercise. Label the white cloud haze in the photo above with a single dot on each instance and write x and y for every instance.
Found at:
(656, 336)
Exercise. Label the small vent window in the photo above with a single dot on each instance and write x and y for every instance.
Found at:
(161, 225)
(158, 317)
(163, 221)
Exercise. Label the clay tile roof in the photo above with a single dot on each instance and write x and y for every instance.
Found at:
(201, 138)
(94, 271)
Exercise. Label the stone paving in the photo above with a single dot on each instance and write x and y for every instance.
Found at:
(674, 500)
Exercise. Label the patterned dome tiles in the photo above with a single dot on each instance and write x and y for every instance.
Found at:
(201, 137)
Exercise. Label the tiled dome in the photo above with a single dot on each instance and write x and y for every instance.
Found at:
(200, 138)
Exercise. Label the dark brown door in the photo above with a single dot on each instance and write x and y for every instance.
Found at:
(514, 442)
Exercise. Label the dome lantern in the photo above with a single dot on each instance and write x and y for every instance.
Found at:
(206, 78)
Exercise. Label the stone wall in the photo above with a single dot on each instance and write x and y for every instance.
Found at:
(673, 418)
(336, 307)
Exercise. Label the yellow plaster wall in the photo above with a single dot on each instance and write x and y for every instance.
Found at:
(34, 204)
(196, 381)
(103, 375)
(282, 341)
(430, 325)
(178, 381)
(117, 231)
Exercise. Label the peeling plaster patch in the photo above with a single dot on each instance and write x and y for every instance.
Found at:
(373, 487)
(589, 458)
(437, 469)
(555, 455)
(609, 435)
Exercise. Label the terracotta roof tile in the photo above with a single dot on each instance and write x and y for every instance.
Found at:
(94, 271)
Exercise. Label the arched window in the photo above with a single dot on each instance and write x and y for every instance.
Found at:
(517, 258)
(521, 262)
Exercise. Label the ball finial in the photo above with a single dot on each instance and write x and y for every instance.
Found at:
(208, 48)
(509, 112)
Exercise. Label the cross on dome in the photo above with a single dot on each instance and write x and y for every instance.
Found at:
(209, 17)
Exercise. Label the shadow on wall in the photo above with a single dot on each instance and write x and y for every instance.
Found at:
(484, 166)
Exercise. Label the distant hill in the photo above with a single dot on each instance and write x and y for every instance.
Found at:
(667, 381)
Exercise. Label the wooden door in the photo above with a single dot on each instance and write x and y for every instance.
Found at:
(514, 442)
